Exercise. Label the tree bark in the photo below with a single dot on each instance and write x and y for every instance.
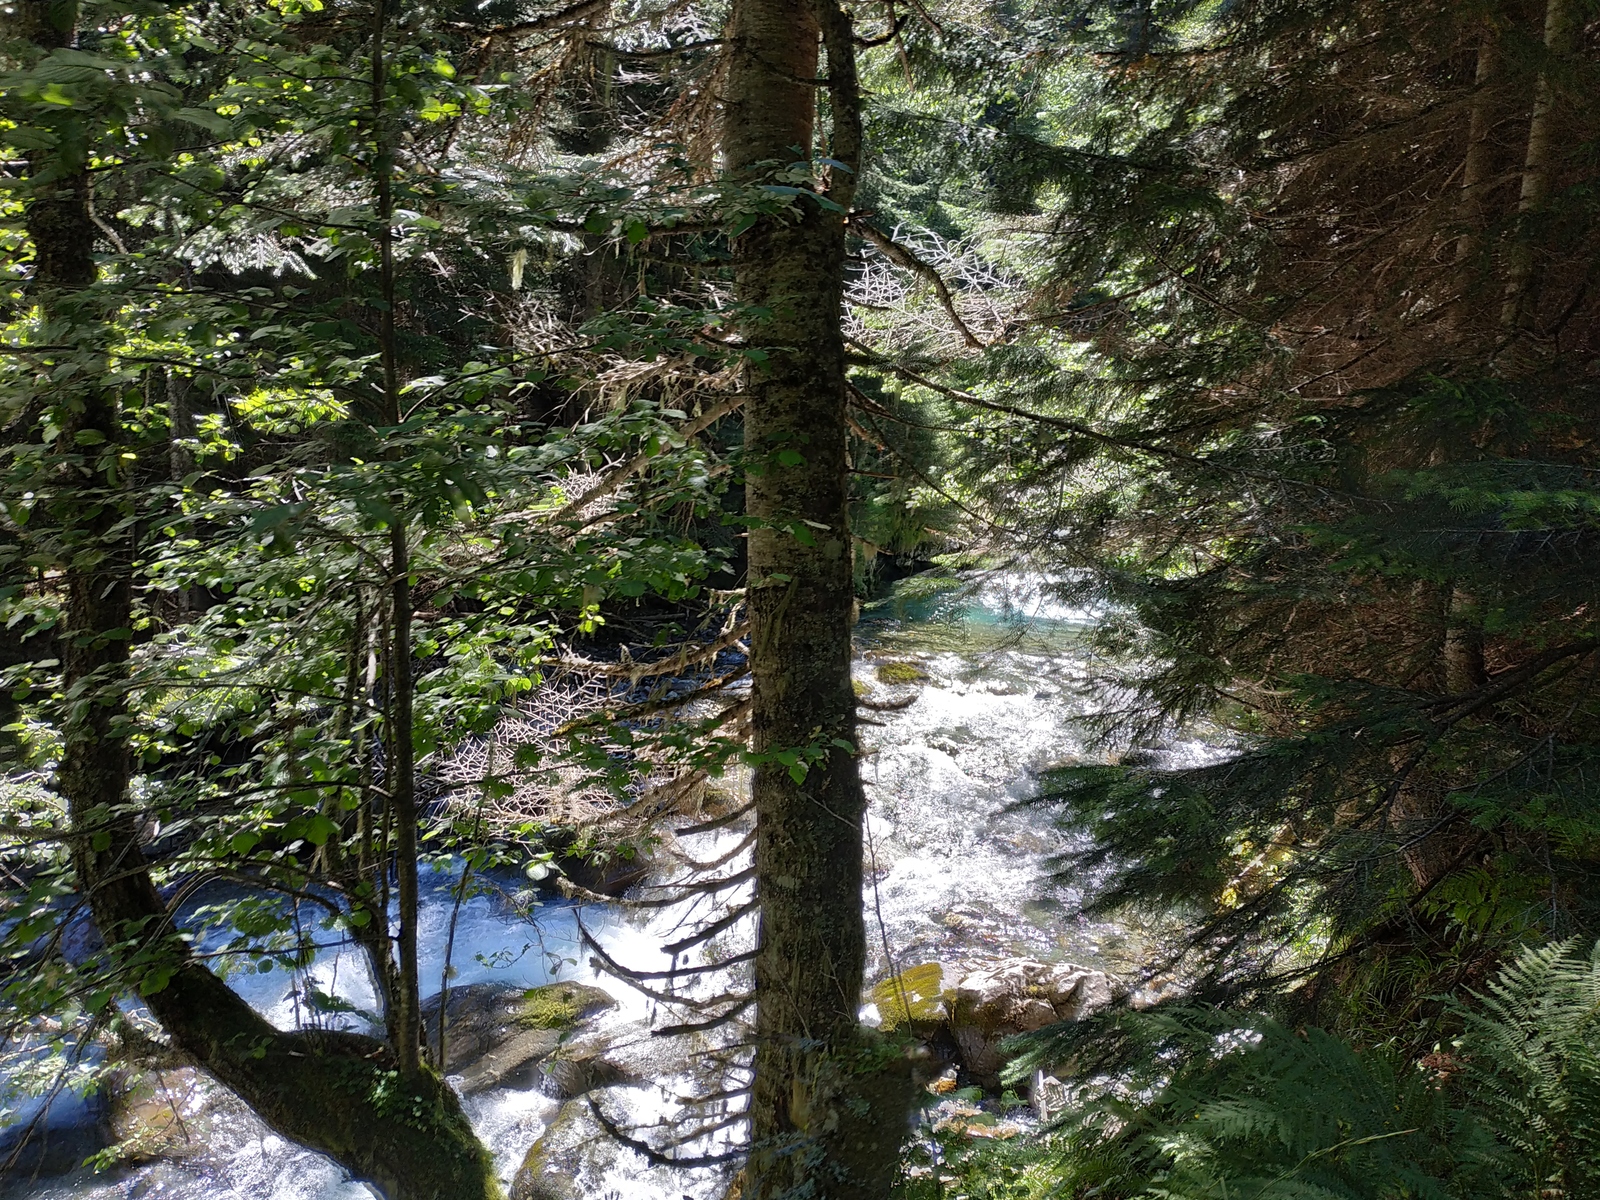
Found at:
(821, 1122)
(1560, 26)
(340, 1093)
(405, 1011)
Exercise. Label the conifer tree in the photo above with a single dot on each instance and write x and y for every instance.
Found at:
(819, 1106)
(1328, 445)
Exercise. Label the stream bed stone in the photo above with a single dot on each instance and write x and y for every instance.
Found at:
(494, 1033)
(569, 1159)
(992, 1002)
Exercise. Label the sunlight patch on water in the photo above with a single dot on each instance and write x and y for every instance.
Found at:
(956, 868)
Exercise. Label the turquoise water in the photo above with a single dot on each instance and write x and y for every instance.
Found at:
(956, 869)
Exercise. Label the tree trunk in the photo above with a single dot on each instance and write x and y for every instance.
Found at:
(1560, 25)
(1478, 160)
(826, 1116)
(405, 1010)
(340, 1093)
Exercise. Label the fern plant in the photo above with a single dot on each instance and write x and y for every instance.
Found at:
(1231, 1109)
(1532, 1054)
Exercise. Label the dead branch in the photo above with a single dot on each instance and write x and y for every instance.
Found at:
(640, 461)
(602, 961)
(902, 257)
(711, 930)
(718, 823)
(655, 1156)
(703, 1026)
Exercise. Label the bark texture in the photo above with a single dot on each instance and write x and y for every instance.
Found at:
(828, 1108)
(1560, 27)
(342, 1094)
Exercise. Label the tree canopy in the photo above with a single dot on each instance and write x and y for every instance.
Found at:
(458, 436)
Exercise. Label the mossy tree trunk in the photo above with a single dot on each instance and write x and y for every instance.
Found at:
(343, 1094)
(818, 1126)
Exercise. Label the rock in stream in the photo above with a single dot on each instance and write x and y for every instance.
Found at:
(495, 1033)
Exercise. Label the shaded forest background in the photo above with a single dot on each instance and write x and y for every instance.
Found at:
(379, 376)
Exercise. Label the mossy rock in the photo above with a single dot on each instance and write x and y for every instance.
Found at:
(561, 1005)
(901, 673)
(568, 1160)
(860, 687)
(491, 1019)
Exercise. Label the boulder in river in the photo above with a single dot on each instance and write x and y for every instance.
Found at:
(493, 1033)
(568, 1160)
(626, 1055)
(992, 1002)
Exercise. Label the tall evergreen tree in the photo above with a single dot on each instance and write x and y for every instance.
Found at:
(815, 1124)
(1328, 453)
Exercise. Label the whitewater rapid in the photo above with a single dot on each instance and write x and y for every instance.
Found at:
(957, 871)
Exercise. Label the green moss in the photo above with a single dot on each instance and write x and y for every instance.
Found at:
(901, 672)
(860, 687)
(561, 1005)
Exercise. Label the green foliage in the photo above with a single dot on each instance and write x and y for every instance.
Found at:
(264, 470)
(1219, 1107)
(1531, 1054)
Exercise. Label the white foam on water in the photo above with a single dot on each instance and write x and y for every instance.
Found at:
(959, 870)
(958, 862)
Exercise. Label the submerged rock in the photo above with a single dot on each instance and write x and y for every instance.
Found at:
(565, 1078)
(155, 1113)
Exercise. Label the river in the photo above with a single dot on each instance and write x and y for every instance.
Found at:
(957, 870)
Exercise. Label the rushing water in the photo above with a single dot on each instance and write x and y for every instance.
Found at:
(956, 869)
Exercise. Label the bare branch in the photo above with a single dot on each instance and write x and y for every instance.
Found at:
(655, 1156)
(903, 257)
(641, 460)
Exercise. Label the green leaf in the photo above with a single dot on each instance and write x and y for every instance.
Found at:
(318, 829)
(210, 121)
